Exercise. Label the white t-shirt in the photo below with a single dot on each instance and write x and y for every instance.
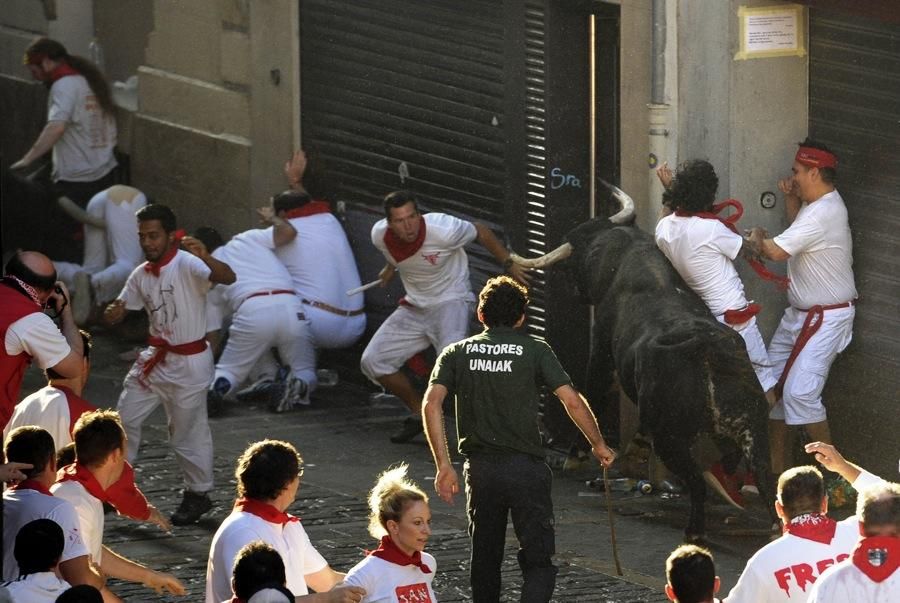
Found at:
(821, 250)
(387, 582)
(37, 336)
(251, 256)
(43, 587)
(846, 583)
(439, 270)
(783, 571)
(23, 506)
(175, 302)
(84, 153)
(47, 408)
(321, 262)
(241, 528)
(90, 515)
(702, 250)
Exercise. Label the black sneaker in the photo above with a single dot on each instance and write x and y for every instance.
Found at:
(192, 507)
(412, 427)
(255, 391)
(295, 395)
(215, 398)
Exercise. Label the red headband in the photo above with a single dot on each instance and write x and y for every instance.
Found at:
(816, 158)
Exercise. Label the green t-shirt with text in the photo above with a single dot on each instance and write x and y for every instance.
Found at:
(496, 378)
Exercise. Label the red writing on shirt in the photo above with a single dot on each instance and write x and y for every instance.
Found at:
(803, 574)
(431, 258)
(414, 593)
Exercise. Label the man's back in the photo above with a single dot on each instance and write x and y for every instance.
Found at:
(22, 505)
(496, 377)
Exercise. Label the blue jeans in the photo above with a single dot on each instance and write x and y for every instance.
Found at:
(498, 485)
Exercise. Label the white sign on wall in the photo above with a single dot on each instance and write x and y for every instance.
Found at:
(774, 31)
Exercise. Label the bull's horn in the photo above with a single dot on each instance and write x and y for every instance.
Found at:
(626, 214)
(560, 253)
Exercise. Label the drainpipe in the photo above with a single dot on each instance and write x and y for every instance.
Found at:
(658, 109)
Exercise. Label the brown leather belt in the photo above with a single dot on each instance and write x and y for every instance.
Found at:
(275, 292)
(332, 309)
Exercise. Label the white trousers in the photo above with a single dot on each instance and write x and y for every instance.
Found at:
(333, 331)
(756, 349)
(262, 323)
(185, 404)
(802, 398)
(409, 330)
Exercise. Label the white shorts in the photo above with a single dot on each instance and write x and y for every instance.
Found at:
(802, 399)
(756, 349)
(409, 330)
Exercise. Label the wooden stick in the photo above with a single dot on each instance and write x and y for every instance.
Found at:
(612, 527)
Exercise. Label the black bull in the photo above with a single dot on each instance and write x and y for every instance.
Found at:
(687, 373)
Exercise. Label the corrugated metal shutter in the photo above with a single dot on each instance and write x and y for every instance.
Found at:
(854, 87)
(391, 83)
(535, 227)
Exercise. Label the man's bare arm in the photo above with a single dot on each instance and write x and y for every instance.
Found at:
(446, 481)
(220, 272)
(489, 241)
(580, 413)
(48, 137)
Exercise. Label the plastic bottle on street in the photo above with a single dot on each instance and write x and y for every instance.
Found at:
(644, 486)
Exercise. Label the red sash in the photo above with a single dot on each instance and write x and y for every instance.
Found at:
(731, 223)
(813, 322)
(309, 209)
(738, 317)
(389, 551)
(401, 250)
(812, 526)
(877, 556)
(163, 348)
(264, 511)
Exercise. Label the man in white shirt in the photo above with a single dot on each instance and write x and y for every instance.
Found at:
(111, 249)
(31, 499)
(39, 546)
(80, 130)
(266, 313)
(268, 475)
(872, 573)
(818, 324)
(27, 333)
(99, 462)
(785, 569)
(177, 367)
(428, 252)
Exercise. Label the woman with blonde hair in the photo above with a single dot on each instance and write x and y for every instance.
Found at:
(399, 569)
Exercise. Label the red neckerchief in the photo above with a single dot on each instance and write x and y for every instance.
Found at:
(264, 511)
(401, 250)
(877, 556)
(77, 405)
(31, 484)
(817, 527)
(154, 267)
(78, 473)
(309, 209)
(389, 551)
(62, 70)
(731, 224)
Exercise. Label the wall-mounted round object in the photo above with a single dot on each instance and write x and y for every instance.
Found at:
(767, 199)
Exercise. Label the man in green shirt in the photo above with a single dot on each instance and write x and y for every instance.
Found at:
(496, 378)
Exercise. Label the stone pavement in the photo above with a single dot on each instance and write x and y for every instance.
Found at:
(343, 439)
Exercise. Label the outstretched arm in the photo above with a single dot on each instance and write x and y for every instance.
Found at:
(48, 137)
(580, 413)
(283, 232)
(489, 241)
(119, 567)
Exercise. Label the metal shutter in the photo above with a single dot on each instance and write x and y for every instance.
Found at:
(854, 90)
